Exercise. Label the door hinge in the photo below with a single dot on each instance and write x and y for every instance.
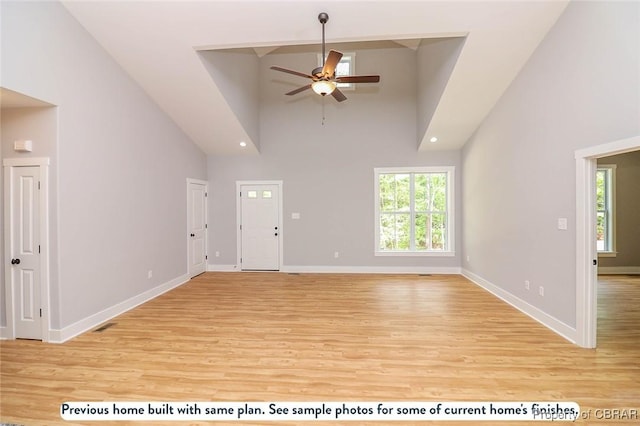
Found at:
(206, 257)
(40, 312)
(38, 249)
(38, 184)
(240, 260)
(206, 226)
(241, 227)
(206, 194)
(241, 193)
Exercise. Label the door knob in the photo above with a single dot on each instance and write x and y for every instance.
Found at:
(15, 261)
(276, 234)
(276, 228)
(193, 235)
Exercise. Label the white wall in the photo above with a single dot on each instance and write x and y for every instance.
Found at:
(327, 169)
(580, 88)
(121, 168)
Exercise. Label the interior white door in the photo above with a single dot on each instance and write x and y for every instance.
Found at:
(197, 224)
(260, 231)
(25, 251)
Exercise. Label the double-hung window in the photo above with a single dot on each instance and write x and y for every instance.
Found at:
(414, 211)
(605, 205)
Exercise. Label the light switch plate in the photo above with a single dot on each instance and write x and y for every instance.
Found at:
(562, 223)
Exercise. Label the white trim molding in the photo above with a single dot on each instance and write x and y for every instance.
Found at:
(619, 270)
(450, 238)
(436, 270)
(526, 308)
(281, 230)
(92, 321)
(43, 164)
(204, 183)
(222, 268)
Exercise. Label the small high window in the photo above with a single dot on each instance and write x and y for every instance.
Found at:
(346, 66)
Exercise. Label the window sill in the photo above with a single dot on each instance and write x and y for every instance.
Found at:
(416, 253)
(607, 253)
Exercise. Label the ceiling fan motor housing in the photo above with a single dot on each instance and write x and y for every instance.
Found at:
(317, 72)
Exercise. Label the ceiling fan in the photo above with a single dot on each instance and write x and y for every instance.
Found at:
(323, 79)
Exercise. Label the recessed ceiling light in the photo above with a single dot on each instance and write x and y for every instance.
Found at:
(433, 139)
(243, 144)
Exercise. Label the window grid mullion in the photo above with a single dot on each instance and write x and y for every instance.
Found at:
(412, 215)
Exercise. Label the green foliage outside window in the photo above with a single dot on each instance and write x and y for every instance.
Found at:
(413, 211)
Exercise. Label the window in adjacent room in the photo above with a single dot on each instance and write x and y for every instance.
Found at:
(605, 205)
(414, 211)
(345, 67)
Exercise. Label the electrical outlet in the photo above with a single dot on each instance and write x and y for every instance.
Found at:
(527, 284)
(336, 255)
(217, 254)
(467, 258)
(150, 274)
(541, 291)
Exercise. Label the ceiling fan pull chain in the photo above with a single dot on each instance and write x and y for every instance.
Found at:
(323, 117)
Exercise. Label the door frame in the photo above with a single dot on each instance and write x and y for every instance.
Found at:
(239, 184)
(206, 221)
(43, 164)
(586, 252)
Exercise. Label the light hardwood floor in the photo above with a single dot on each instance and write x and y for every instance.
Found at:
(308, 337)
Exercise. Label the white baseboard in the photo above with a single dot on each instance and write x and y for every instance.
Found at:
(618, 270)
(526, 308)
(371, 269)
(92, 321)
(222, 268)
(4, 333)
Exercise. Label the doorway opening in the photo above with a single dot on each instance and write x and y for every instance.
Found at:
(197, 192)
(586, 235)
(259, 225)
(26, 247)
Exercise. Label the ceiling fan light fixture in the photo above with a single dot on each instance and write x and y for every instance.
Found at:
(323, 87)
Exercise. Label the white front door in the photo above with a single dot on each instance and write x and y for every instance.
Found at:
(197, 226)
(260, 227)
(25, 252)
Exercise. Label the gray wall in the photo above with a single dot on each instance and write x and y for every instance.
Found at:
(327, 169)
(121, 167)
(235, 72)
(435, 60)
(580, 88)
(627, 211)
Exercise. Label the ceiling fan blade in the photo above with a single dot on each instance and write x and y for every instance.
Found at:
(358, 79)
(298, 90)
(331, 63)
(300, 74)
(338, 95)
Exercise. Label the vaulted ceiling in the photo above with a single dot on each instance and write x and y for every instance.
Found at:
(161, 44)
